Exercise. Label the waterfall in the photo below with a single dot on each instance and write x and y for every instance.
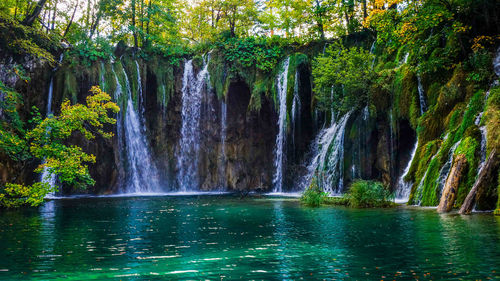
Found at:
(404, 187)
(296, 107)
(421, 95)
(279, 158)
(46, 176)
(223, 133)
(102, 82)
(420, 186)
(140, 102)
(189, 143)
(496, 63)
(372, 51)
(141, 175)
(327, 165)
(445, 170)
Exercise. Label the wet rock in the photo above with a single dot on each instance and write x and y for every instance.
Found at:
(450, 189)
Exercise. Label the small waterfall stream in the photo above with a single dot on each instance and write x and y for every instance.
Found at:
(47, 176)
(187, 161)
(404, 187)
(296, 107)
(421, 95)
(327, 165)
(445, 170)
(141, 173)
(223, 134)
(279, 159)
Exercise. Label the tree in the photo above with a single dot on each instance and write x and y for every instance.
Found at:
(48, 140)
(342, 77)
(32, 15)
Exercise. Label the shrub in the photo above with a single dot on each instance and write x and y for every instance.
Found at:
(313, 196)
(366, 194)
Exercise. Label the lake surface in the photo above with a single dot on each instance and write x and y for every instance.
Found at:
(225, 237)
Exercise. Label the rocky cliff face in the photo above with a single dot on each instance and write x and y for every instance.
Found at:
(242, 160)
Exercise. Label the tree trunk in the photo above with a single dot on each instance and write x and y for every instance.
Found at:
(450, 189)
(134, 32)
(31, 17)
(70, 21)
(484, 174)
(365, 14)
(149, 20)
(54, 16)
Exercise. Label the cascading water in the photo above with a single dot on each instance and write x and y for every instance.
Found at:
(327, 165)
(296, 107)
(421, 95)
(140, 94)
(46, 176)
(282, 80)
(141, 175)
(445, 170)
(189, 143)
(404, 187)
(223, 133)
(405, 60)
(420, 186)
(496, 63)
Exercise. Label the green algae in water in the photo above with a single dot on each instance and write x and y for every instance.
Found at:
(214, 237)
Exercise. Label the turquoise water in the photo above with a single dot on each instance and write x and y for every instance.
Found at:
(225, 237)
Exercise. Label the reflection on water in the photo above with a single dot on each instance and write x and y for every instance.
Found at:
(223, 237)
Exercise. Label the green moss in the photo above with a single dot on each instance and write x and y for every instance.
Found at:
(497, 211)
(122, 100)
(491, 119)
(433, 93)
(430, 192)
(198, 62)
(218, 73)
(473, 109)
(163, 71)
(418, 167)
(468, 147)
(405, 100)
(70, 90)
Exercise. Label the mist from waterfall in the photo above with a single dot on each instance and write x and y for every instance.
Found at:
(189, 143)
(327, 164)
(279, 159)
(141, 175)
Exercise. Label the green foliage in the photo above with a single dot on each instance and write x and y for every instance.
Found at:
(369, 194)
(479, 67)
(49, 139)
(361, 194)
(491, 119)
(342, 77)
(17, 195)
(91, 51)
(12, 142)
(313, 196)
(247, 52)
(475, 106)
(24, 40)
